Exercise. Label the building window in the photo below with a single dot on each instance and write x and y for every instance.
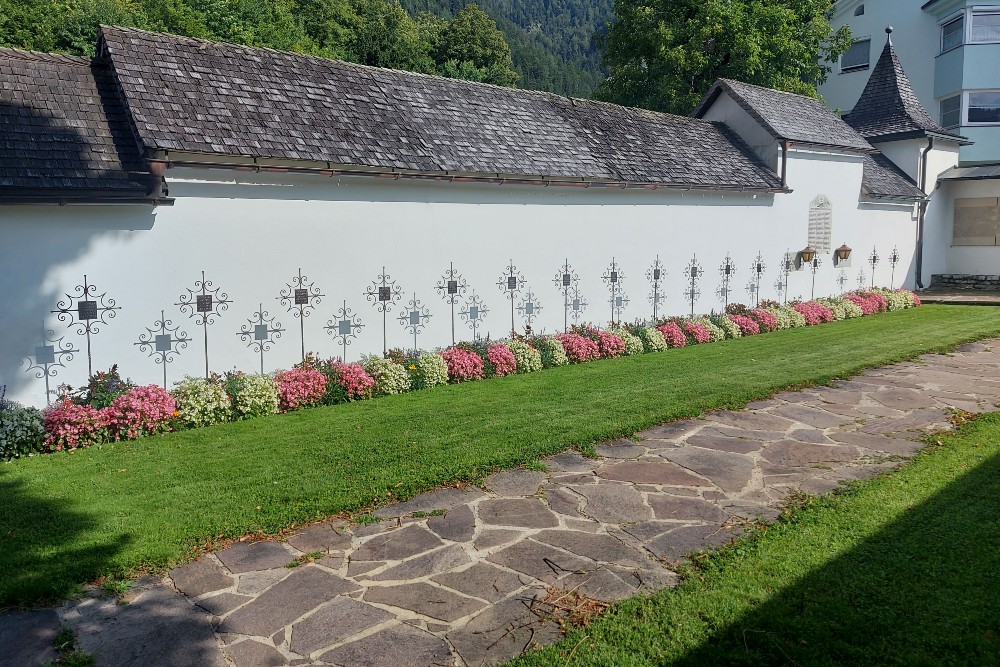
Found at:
(857, 57)
(976, 221)
(860, 11)
(952, 33)
(985, 27)
(984, 107)
(951, 111)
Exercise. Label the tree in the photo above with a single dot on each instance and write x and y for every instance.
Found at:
(665, 54)
(471, 46)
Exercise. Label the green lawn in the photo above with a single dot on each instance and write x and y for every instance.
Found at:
(70, 518)
(901, 570)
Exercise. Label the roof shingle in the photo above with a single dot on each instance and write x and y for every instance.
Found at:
(882, 179)
(195, 96)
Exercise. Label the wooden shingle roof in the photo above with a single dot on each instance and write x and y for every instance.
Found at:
(194, 96)
(65, 131)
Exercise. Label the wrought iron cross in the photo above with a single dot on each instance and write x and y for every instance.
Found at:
(861, 279)
(893, 261)
(451, 288)
(565, 281)
(873, 260)
(473, 311)
(300, 297)
(787, 264)
(759, 267)
(415, 319)
(261, 333)
(529, 308)
(86, 310)
(162, 342)
(814, 267)
(694, 272)
(50, 356)
(383, 293)
(727, 270)
(613, 278)
(655, 275)
(204, 303)
(345, 327)
(511, 283)
(842, 281)
(618, 303)
(577, 304)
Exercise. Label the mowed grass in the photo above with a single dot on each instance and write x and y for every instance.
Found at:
(903, 569)
(70, 518)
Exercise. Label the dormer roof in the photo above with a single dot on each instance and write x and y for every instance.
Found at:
(888, 109)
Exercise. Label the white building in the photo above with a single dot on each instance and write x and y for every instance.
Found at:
(167, 157)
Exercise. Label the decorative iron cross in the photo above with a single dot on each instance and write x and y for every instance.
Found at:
(511, 283)
(759, 267)
(873, 260)
(565, 280)
(694, 272)
(618, 303)
(260, 333)
(50, 356)
(162, 342)
(861, 279)
(383, 293)
(814, 267)
(893, 261)
(727, 270)
(787, 264)
(613, 278)
(345, 327)
(529, 308)
(415, 319)
(86, 310)
(474, 311)
(655, 275)
(204, 303)
(451, 287)
(577, 304)
(842, 280)
(300, 297)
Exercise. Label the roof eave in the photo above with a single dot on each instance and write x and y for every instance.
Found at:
(63, 197)
(918, 134)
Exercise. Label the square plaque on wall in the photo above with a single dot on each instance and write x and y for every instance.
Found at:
(301, 297)
(87, 310)
(204, 303)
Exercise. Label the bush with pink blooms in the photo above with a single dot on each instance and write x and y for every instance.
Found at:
(579, 349)
(869, 302)
(815, 313)
(348, 382)
(463, 365)
(748, 326)
(502, 360)
(68, 425)
(768, 321)
(698, 332)
(300, 388)
(610, 345)
(673, 334)
(141, 411)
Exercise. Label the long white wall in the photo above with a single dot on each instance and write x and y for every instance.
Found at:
(251, 234)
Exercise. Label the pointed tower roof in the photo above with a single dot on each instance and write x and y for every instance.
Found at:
(888, 108)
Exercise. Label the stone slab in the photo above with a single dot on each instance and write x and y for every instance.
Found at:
(643, 472)
(223, 603)
(730, 472)
(614, 503)
(503, 631)
(201, 576)
(251, 556)
(725, 444)
(482, 581)
(674, 508)
(457, 524)
(753, 421)
(252, 653)
(334, 623)
(673, 546)
(441, 499)
(322, 537)
(26, 637)
(541, 561)
(418, 567)
(397, 544)
(397, 646)
(599, 548)
(253, 583)
(489, 539)
(516, 483)
(425, 599)
(519, 513)
(811, 416)
(794, 453)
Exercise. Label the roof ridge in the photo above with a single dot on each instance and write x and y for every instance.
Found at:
(771, 90)
(27, 54)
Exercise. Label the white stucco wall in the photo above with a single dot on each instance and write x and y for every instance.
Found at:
(948, 258)
(726, 110)
(252, 233)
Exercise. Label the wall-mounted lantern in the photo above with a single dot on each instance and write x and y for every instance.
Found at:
(807, 255)
(843, 253)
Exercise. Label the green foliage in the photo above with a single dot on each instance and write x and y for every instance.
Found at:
(252, 395)
(21, 431)
(664, 54)
(427, 370)
(200, 403)
(103, 387)
(472, 44)
(390, 377)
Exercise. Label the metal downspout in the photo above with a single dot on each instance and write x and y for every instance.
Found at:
(921, 211)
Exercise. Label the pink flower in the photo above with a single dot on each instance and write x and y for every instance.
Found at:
(815, 313)
(68, 426)
(610, 345)
(698, 331)
(579, 348)
(353, 379)
(463, 365)
(748, 326)
(299, 388)
(673, 334)
(141, 411)
(766, 320)
(502, 359)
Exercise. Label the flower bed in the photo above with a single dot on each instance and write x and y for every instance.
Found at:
(110, 408)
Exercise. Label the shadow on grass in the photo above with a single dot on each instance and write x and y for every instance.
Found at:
(925, 590)
(45, 546)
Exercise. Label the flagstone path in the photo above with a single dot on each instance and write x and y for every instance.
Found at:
(460, 576)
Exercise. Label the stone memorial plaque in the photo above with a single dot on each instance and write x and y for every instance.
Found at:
(45, 354)
(163, 342)
(301, 297)
(384, 294)
(260, 332)
(820, 224)
(87, 310)
(204, 303)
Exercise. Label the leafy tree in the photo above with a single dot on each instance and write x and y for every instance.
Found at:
(384, 35)
(664, 54)
(470, 46)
